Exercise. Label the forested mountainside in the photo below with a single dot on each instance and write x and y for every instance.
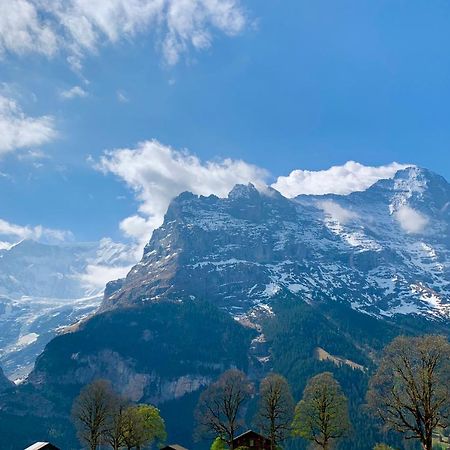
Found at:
(167, 352)
(161, 353)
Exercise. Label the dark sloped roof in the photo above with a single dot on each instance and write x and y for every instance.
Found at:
(174, 447)
(42, 446)
(254, 433)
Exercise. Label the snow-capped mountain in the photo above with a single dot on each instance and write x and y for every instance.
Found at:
(315, 283)
(384, 251)
(44, 288)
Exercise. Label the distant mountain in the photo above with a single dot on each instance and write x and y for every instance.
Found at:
(43, 288)
(384, 251)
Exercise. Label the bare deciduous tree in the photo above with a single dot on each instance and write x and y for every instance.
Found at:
(410, 390)
(219, 410)
(114, 432)
(90, 412)
(276, 409)
(322, 415)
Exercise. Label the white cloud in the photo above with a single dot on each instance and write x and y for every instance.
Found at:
(78, 27)
(22, 29)
(17, 130)
(13, 232)
(410, 220)
(75, 91)
(350, 177)
(157, 174)
(122, 97)
(96, 276)
(189, 23)
(5, 245)
(113, 260)
(32, 155)
(337, 212)
(139, 230)
(135, 227)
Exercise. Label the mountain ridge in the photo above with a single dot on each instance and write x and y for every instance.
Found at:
(352, 238)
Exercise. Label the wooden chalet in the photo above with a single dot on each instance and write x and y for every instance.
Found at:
(252, 440)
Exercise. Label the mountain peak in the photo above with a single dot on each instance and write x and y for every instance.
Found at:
(414, 174)
(413, 181)
(419, 176)
(423, 185)
(241, 191)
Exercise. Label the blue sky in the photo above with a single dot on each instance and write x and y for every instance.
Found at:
(281, 85)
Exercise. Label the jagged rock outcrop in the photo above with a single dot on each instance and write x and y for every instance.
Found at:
(5, 383)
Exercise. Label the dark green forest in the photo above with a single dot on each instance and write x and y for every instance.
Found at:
(172, 339)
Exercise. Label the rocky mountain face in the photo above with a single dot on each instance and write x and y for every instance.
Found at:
(384, 251)
(44, 288)
(5, 383)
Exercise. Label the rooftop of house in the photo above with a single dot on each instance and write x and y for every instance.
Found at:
(174, 447)
(250, 433)
(42, 446)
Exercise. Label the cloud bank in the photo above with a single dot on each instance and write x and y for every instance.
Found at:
(350, 177)
(337, 212)
(96, 276)
(11, 233)
(411, 221)
(23, 30)
(17, 130)
(78, 27)
(113, 260)
(158, 173)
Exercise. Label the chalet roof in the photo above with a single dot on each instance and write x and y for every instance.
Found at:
(174, 447)
(42, 446)
(254, 433)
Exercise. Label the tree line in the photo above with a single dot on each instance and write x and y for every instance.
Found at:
(321, 416)
(104, 418)
(408, 393)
